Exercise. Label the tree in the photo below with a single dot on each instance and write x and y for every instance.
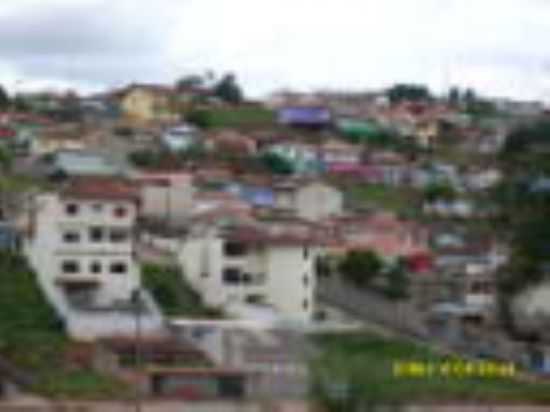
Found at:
(397, 282)
(4, 99)
(200, 118)
(360, 267)
(228, 90)
(20, 104)
(190, 81)
(412, 92)
(470, 96)
(277, 164)
(454, 96)
(436, 191)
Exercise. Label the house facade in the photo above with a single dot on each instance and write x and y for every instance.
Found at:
(148, 103)
(165, 195)
(80, 243)
(251, 265)
(312, 201)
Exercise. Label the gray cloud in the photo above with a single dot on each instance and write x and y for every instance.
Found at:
(94, 29)
(275, 43)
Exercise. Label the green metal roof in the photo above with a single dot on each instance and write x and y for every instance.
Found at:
(357, 128)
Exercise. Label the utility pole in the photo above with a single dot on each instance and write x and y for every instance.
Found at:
(136, 302)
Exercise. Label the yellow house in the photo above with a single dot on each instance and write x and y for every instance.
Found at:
(149, 103)
(427, 132)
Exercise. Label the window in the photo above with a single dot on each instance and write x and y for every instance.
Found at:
(231, 275)
(119, 268)
(119, 235)
(96, 234)
(234, 249)
(247, 278)
(95, 267)
(306, 252)
(255, 299)
(120, 212)
(97, 207)
(70, 267)
(305, 280)
(71, 209)
(305, 304)
(71, 237)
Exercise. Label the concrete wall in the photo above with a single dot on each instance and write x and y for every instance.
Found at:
(318, 201)
(287, 267)
(173, 202)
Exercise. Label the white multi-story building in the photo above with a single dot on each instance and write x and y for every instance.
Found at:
(80, 243)
(258, 266)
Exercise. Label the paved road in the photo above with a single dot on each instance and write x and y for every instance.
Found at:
(220, 406)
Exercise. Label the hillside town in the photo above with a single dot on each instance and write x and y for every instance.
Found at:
(182, 242)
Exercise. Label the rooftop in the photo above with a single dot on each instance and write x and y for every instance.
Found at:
(258, 236)
(100, 188)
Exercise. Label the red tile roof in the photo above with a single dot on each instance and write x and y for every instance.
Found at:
(256, 235)
(6, 132)
(101, 188)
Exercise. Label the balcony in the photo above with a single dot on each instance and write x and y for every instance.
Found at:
(79, 279)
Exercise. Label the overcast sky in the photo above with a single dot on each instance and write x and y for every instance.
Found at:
(499, 47)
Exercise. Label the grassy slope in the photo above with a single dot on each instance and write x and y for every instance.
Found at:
(242, 117)
(368, 361)
(31, 337)
(175, 297)
(384, 197)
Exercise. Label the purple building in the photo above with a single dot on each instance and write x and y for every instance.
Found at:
(307, 116)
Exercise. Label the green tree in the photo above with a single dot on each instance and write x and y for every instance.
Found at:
(277, 164)
(228, 89)
(20, 104)
(412, 92)
(4, 99)
(397, 281)
(360, 267)
(190, 81)
(454, 96)
(195, 151)
(437, 191)
(470, 96)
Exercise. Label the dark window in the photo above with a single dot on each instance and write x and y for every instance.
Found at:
(71, 209)
(96, 234)
(119, 268)
(70, 266)
(204, 275)
(120, 211)
(234, 249)
(305, 280)
(305, 304)
(95, 267)
(119, 235)
(231, 275)
(247, 278)
(71, 237)
(255, 299)
(306, 252)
